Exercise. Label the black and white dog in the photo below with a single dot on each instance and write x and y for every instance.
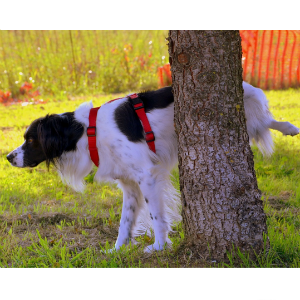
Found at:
(149, 198)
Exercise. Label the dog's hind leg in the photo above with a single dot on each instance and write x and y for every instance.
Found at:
(285, 127)
(132, 198)
(152, 188)
(260, 120)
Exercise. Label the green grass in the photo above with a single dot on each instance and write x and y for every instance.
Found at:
(45, 224)
(76, 62)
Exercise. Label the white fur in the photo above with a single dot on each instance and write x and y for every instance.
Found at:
(19, 157)
(150, 202)
(259, 119)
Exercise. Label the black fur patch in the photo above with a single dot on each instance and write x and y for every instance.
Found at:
(127, 119)
(33, 152)
(51, 136)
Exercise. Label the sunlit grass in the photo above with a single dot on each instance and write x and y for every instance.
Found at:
(64, 62)
(43, 223)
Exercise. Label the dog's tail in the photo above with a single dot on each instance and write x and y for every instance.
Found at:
(264, 141)
(258, 118)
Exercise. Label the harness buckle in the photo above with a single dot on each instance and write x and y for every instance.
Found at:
(91, 131)
(133, 96)
(138, 107)
(136, 101)
(150, 139)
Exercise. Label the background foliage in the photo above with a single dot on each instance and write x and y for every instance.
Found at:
(77, 62)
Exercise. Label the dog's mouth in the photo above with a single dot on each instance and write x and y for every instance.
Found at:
(33, 165)
(29, 165)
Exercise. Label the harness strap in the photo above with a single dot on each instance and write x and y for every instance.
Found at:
(91, 133)
(140, 111)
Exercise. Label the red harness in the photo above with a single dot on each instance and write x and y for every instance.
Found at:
(138, 106)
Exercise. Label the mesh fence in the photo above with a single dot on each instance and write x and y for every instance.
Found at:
(271, 58)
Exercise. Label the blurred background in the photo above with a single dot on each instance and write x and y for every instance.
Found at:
(36, 65)
(74, 62)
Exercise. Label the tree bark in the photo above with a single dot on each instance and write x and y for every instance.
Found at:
(221, 202)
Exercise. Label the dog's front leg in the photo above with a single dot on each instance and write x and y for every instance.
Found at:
(131, 204)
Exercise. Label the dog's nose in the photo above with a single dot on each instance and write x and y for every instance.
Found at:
(10, 157)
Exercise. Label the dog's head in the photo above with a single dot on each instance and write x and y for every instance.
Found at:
(46, 139)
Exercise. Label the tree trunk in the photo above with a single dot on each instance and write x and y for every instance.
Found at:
(221, 204)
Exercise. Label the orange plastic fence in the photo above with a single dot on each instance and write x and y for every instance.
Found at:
(271, 59)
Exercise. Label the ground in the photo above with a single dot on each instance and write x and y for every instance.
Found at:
(43, 223)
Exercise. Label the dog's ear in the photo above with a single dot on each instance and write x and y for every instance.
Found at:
(57, 134)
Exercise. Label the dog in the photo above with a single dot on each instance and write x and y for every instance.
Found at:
(150, 202)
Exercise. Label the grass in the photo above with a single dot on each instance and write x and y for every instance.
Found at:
(45, 224)
(65, 62)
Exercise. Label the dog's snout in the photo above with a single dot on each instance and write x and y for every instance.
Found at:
(10, 157)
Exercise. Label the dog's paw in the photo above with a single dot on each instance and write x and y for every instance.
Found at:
(290, 129)
(114, 249)
(157, 247)
(119, 247)
(295, 131)
(109, 251)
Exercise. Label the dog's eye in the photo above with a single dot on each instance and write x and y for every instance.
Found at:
(29, 140)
